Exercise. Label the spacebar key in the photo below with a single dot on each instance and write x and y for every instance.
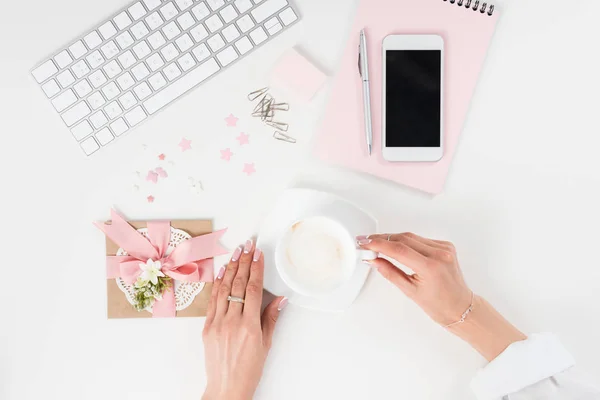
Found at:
(179, 87)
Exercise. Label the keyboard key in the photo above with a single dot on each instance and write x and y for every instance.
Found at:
(92, 40)
(215, 4)
(76, 113)
(141, 50)
(201, 11)
(80, 69)
(245, 23)
(50, 88)
(44, 71)
(154, 20)
(199, 33)
(268, 8)
(95, 59)
(112, 69)
(169, 52)
(98, 119)
(119, 127)
(142, 90)
(125, 81)
(183, 4)
(140, 71)
(243, 5)
(228, 14)
(135, 116)
(107, 30)
(216, 42)
(169, 11)
(111, 91)
(113, 110)
(214, 23)
(128, 100)
(151, 4)
(139, 30)
(104, 136)
(258, 35)
(81, 130)
(64, 100)
(125, 40)
(77, 49)
(179, 87)
(154, 62)
(186, 21)
(171, 30)
(127, 59)
(63, 59)
(231, 33)
(184, 42)
(227, 56)
(201, 52)
(186, 62)
(96, 100)
(288, 16)
(172, 71)
(157, 81)
(243, 45)
(137, 11)
(273, 26)
(89, 146)
(65, 78)
(110, 50)
(122, 20)
(156, 40)
(97, 79)
(82, 88)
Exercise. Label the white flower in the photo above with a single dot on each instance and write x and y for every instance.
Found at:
(151, 271)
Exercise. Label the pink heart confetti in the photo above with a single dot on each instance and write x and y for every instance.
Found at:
(152, 176)
(226, 154)
(249, 169)
(231, 120)
(161, 157)
(150, 199)
(161, 172)
(243, 139)
(185, 144)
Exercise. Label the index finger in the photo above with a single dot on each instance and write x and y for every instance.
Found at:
(254, 289)
(397, 250)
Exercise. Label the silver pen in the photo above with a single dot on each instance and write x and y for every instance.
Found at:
(363, 69)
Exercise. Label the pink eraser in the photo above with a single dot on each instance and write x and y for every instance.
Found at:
(298, 76)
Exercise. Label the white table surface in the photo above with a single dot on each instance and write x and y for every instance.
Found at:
(522, 205)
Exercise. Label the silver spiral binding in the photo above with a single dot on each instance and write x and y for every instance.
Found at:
(475, 6)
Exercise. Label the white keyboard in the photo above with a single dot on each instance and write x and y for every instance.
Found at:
(148, 55)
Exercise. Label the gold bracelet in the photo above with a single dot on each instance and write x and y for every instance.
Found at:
(464, 315)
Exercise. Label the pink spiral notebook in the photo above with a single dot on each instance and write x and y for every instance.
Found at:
(467, 27)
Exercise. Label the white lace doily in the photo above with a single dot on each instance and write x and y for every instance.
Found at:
(185, 292)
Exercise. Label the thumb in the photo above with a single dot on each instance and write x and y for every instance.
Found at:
(269, 319)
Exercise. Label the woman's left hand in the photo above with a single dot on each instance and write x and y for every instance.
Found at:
(236, 337)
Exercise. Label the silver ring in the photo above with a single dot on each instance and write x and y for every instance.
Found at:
(235, 299)
(389, 237)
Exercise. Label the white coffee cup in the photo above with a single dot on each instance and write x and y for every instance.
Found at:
(317, 255)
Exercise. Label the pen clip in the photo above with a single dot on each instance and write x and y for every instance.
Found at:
(359, 60)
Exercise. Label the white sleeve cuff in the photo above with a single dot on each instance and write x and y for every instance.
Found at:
(521, 365)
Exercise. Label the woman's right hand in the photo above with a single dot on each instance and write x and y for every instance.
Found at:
(439, 288)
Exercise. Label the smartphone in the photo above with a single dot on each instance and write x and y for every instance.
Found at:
(413, 93)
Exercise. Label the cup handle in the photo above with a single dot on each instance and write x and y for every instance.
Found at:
(366, 255)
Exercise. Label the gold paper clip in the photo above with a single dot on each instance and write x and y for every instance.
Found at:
(282, 126)
(257, 93)
(280, 106)
(264, 104)
(283, 137)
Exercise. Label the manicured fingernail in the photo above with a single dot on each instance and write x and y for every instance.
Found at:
(236, 254)
(361, 237)
(364, 241)
(221, 273)
(257, 254)
(282, 304)
(248, 246)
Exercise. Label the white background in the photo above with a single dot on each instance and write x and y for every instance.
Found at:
(521, 204)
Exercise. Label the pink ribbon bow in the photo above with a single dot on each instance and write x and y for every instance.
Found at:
(190, 261)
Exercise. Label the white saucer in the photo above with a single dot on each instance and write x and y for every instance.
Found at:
(296, 204)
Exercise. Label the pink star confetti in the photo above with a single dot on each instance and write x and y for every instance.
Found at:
(150, 199)
(152, 176)
(161, 157)
(243, 139)
(161, 172)
(249, 169)
(185, 144)
(226, 154)
(231, 120)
